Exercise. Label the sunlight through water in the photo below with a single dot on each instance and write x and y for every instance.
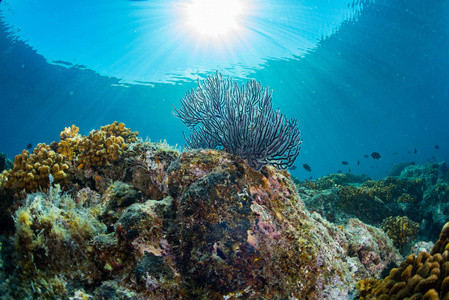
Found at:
(173, 41)
(214, 17)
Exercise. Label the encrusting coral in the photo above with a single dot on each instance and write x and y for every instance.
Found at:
(400, 229)
(149, 162)
(242, 233)
(425, 276)
(373, 201)
(424, 199)
(391, 189)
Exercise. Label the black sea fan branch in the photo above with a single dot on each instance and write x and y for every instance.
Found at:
(240, 120)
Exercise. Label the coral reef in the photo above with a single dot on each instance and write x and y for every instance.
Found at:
(244, 233)
(362, 203)
(340, 202)
(149, 222)
(368, 248)
(430, 173)
(332, 180)
(391, 189)
(425, 276)
(340, 197)
(236, 231)
(196, 225)
(401, 230)
(420, 193)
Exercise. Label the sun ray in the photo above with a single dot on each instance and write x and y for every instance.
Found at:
(214, 17)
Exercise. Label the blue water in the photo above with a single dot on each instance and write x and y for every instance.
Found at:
(360, 77)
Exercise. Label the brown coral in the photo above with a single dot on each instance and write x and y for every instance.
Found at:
(425, 276)
(325, 182)
(382, 191)
(391, 189)
(70, 138)
(119, 129)
(400, 229)
(32, 171)
(97, 149)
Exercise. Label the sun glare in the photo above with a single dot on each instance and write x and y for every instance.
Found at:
(214, 17)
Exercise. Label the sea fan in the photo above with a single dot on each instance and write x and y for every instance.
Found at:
(241, 121)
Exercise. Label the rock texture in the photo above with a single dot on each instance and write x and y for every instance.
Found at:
(196, 225)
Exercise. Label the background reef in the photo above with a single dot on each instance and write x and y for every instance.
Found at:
(109, 216)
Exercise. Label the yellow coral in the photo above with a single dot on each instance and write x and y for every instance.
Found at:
(69, 132)
(425, 276)
(31, 171)
(394, 189)
(99, 148)
(366, 286)
(400, 229)
(3, 177)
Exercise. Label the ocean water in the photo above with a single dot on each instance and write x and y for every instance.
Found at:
(360, 76)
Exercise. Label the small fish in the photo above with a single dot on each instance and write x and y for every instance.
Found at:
(437, 147)
(29, 146)
(416, 151)
(375, 155)
(311, 177)
(339, 171)
(358, 162)
(307, 167)
(366, 156)
(292, 168)
(344, 163)
(395, 153)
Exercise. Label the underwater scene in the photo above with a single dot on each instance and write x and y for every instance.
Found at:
(211, 149)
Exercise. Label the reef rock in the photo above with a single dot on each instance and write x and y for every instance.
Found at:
(215, 229)
(421, 193)
(247, 234)
(430, 173)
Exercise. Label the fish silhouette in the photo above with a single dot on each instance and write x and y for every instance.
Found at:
(375, 155)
